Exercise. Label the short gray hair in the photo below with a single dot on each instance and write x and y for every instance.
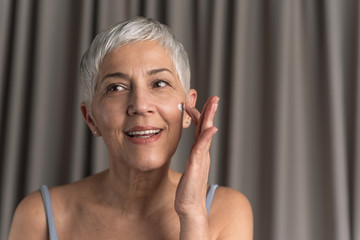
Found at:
(130, 31)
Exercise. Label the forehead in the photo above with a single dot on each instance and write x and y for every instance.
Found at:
(145, 54)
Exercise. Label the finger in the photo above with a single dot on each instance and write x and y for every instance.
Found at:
(205, 107)
(199, 160)
(202, 145)
(193, 113)
(207, 115)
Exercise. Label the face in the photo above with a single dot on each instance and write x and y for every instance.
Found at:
(136, 106)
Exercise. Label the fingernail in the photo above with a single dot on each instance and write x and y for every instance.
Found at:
(216, 107)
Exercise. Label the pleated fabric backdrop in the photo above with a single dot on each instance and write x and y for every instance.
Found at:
(287, 73)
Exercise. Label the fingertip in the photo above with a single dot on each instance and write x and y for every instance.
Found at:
(215, 99)
(214, 131)
(210, 132)
(187, 108)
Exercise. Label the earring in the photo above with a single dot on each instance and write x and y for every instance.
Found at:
(96, 132)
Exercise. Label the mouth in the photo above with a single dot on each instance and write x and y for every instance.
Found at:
(144, 133)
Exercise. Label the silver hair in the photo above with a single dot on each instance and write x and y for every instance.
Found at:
(133, 30)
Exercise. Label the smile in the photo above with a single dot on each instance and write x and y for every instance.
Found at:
(143, 134)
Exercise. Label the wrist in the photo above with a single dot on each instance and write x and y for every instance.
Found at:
(191, 211)
(193, 218)
(194, 226)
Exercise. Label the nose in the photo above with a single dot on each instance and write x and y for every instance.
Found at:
(140, 103)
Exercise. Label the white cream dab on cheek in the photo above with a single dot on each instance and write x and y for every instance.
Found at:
(180, 107)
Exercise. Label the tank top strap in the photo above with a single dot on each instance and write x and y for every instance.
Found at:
(210, 196)
(49, 212)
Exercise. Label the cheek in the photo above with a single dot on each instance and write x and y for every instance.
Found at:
(107, 116)
(174, 102)
(173, 110)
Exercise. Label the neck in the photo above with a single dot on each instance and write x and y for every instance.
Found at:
(135, 192)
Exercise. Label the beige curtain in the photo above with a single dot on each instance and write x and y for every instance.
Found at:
(287, 73)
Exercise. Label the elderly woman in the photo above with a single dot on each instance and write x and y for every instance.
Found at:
(137, 97)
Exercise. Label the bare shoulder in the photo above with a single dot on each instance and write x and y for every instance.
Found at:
(228, 199)
(29, 221)
(231, 215)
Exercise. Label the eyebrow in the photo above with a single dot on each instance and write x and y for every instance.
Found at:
(155, 71)
(127, 77)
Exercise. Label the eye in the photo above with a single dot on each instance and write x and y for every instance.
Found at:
(160, 84)
(116, 88)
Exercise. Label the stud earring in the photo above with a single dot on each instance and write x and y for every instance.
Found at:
(96, 132)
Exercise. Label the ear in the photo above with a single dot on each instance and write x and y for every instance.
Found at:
(191, 100)
(86, 113)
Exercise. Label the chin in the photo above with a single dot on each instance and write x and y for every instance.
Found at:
(149, 164)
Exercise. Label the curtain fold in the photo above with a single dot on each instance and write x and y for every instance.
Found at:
(334, 14)
(287, 74)
(355, 206)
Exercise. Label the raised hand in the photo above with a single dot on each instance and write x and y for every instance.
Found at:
(190, 200)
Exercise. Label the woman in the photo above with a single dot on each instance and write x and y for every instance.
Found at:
(137, 97)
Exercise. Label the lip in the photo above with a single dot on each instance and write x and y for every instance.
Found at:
(137, 140)
(141, 128)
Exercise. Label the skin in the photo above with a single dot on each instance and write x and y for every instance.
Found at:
(139, 196)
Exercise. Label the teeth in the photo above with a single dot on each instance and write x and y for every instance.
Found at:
(144, 132)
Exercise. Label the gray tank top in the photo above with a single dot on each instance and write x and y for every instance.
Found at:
(50, 215)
